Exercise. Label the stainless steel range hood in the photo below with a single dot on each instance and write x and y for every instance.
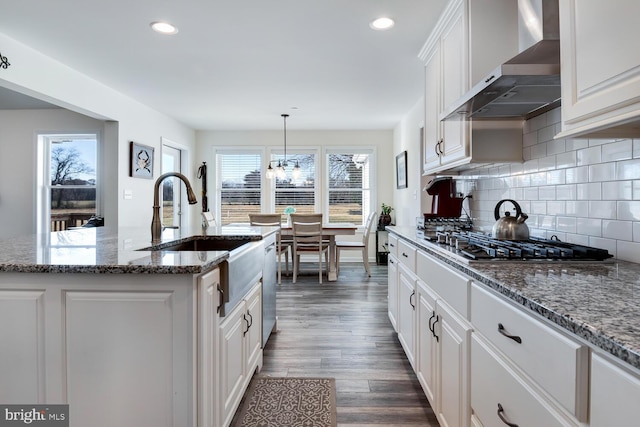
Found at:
(529, 83)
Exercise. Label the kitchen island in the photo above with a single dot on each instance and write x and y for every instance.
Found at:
(125, 336)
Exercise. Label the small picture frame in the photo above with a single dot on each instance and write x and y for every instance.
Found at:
(141, 165)
(401, 170)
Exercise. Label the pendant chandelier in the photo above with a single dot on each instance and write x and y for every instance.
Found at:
(280, 171)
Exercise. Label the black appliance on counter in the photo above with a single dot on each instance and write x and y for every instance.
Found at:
(458, 239)
(445, 202)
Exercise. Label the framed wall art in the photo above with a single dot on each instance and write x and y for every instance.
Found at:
(401, 170)
(141, 161)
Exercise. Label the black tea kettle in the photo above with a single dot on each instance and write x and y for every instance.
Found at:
(510, 227)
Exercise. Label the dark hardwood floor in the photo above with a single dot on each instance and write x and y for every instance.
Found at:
(341, 330)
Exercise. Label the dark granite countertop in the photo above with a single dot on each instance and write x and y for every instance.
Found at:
(596, 301)
(105, 250)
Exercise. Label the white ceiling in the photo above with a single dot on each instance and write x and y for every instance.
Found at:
(239, 64)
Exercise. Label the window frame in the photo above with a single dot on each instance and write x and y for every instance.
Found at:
(369, 151)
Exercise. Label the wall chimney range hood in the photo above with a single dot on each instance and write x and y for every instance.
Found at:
(529, 83)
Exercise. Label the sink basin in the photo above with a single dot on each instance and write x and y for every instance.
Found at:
(238, 272)
(200, 244)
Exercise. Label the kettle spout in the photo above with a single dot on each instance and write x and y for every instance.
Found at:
(522, 218)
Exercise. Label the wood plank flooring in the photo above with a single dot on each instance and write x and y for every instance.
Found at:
(341, 330)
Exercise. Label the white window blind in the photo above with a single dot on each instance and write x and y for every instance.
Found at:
(239, 185)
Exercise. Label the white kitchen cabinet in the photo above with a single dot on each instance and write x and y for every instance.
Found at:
(615, 394)
(407, 311)
(392, 294)
(239, 351)
(463, 47)
(600, 68)
(500, 396)
(558, 364)
(426, 367)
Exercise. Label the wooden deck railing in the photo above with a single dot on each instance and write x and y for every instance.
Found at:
(61, 222)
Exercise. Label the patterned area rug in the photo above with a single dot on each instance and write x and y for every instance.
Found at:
(289, 402)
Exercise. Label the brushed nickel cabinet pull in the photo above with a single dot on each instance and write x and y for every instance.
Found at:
(513, 337)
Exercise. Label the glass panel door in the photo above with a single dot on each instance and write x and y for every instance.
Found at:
(171, 193)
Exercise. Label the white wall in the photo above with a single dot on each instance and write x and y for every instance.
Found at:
(406, 136)
(18, 129)
(35, 74)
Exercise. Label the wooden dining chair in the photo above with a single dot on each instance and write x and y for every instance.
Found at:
(274, 220)
(362, 246)
(307, 239)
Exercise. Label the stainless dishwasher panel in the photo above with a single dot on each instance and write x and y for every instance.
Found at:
(269, 280)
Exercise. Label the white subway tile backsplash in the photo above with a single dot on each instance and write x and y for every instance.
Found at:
(628, 211)
(629, 169)
(565, 160)
(547, 192)
(583, 191)
(576, 144)
(577, 175)
(577, 208)
(555, 208)
(628, 251)
(590, 191)
(529, 139)
(566, 192)
(602, 172)
(556, 177)
(566, 224)
(538, 207)
(589, 156)
(619, 230)
(617, 190)
(620, 150)
(538, 151)
(547, 163)
(589, 226)
(546, 134)
(602, 209)
(555, 146)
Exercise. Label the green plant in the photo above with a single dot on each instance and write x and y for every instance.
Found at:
(386, 209)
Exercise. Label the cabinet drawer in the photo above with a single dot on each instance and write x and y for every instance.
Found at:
(407, 255)
(494, 383)
(393, 245)
(448, 284)
(558, 364)
(614, 395)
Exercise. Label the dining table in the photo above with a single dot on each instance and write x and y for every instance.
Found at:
(329, 231)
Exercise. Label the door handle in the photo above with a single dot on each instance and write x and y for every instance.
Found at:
(430, 319)
(410, 298)
(244, 316)
(433, 331)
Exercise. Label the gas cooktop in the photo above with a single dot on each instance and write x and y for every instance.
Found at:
(475, 246)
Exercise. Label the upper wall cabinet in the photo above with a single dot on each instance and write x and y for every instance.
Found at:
(600, 68)
(469, 40)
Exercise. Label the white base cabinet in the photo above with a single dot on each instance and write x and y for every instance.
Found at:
(615, 394)
(392, 294)
(407, 311)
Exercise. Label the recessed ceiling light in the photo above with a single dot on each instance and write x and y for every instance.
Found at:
(164, 28)
(382, 23)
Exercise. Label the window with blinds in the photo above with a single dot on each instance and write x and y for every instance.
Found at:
(349, 189)
(239, 185)
(300, 193)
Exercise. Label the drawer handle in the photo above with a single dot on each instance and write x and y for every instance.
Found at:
(502, 418)
(410, 300)
(405, 255)
(513, 337)
(392, 245)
